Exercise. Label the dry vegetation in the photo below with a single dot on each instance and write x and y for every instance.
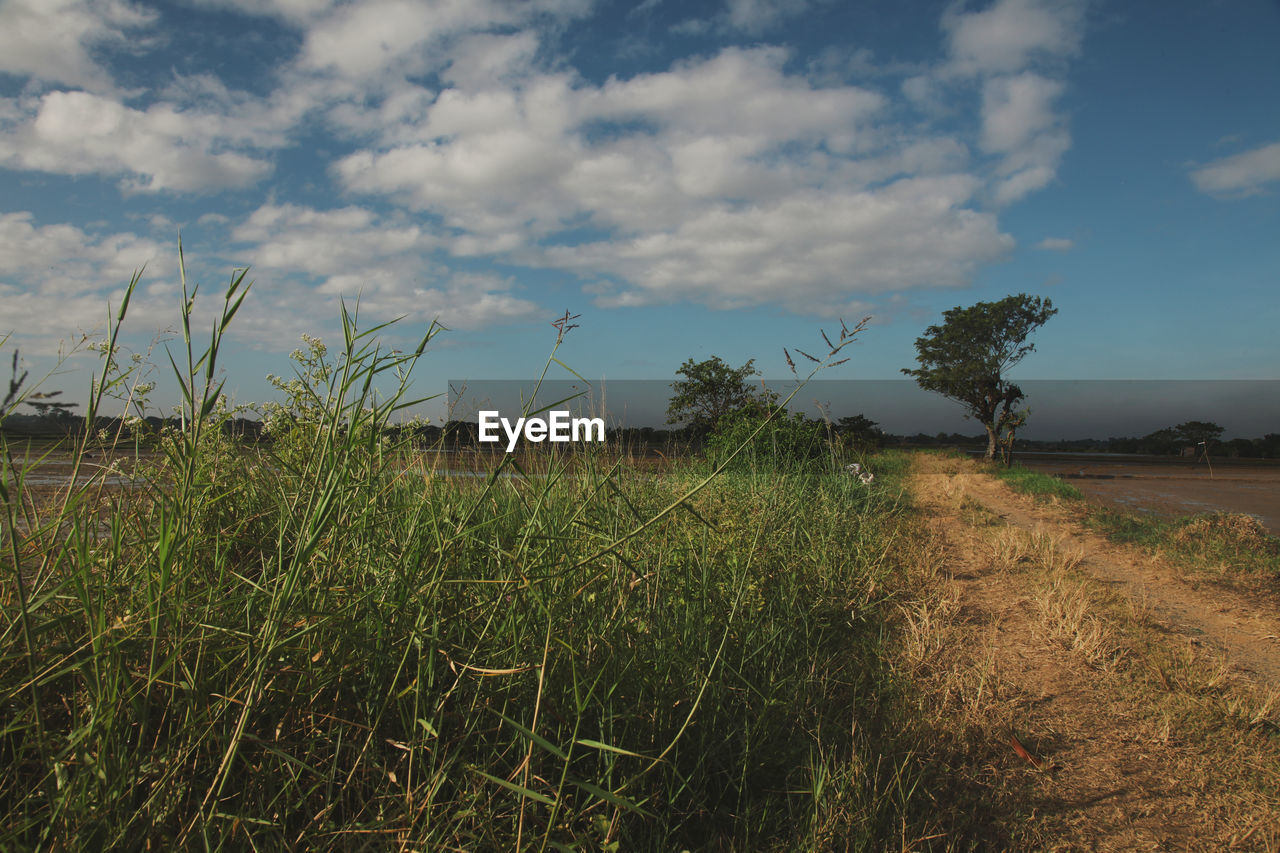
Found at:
(1067, 715)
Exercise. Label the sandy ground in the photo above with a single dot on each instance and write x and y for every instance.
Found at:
(1107, 775)
(1175, 487)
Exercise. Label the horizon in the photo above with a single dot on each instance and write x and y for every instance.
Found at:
(1125, 409)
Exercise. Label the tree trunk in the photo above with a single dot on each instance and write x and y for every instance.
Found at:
(991, 442)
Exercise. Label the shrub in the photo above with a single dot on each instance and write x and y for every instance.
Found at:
(786, 440)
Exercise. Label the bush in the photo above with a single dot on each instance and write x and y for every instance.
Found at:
(785, 440)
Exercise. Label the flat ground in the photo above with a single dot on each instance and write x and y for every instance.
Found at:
(1104, 701)
(1175, 487)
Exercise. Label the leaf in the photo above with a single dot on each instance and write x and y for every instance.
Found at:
(519, 789)
(1022, 751)
(604, 747)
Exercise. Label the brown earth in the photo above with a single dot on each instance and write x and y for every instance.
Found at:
(1120, 708)
(1174, 487)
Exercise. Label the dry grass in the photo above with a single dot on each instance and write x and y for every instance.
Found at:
(1134, 737)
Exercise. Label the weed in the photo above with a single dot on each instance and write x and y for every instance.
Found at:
(330, 643)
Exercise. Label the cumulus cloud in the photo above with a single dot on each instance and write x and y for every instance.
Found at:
(159, 148)
(1240, 175)
(367, 40)
(55, 279)
(725, 181)
(814, 251)
(352, 253)
(51, 39)
(1018, 121)
(728, 179)
(508, 161)
(1009, 35)
(1016, 109)
(1014, 52)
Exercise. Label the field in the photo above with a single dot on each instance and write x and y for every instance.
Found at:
(332, 641)
(1172, 487)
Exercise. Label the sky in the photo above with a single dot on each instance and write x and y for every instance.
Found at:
(692, 178)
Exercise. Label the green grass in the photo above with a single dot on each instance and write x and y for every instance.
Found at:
(1036, 483)
(329, 645)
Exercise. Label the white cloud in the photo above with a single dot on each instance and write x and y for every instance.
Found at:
(1013, 49)
(731, 179)
(724, 181)
(814, 252)
(1241, 174)
(506, 162)
(291, 237)
(486, 60)
(1019, 123)
(404, 37)
(352, 253)
(1056, 244)
(1009, 35)
(742, 92)
(160, 148)
(1015, 109)
(50, 39)
(55, 279)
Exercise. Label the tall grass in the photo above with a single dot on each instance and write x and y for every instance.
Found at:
(332, 644)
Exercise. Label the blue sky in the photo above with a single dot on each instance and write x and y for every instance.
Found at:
(693, 178)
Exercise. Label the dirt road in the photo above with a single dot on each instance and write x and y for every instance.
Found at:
(1126, 708)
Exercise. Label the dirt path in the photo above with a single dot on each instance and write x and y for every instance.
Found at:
(1122, 751)
(1246, 634)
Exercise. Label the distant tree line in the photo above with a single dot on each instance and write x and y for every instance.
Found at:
(1181, 440)
(1170, 441)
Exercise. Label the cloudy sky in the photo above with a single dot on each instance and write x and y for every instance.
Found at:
(693, 178)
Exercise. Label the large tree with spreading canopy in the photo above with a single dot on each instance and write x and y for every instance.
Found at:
(967, 356)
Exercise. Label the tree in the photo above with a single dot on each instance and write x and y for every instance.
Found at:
(1196, 433)
(1182, 438)
(710, 390)
(966, 359)
(860, 430)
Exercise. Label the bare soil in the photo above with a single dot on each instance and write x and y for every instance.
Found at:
(1176, 487)
(1112, 727)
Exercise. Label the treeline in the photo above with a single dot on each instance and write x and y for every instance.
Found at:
(65, 425)
(1182, 440)
(455, 434)
(1266, 447)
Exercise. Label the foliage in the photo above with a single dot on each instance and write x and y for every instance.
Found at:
(16, 381)
(710, 390)
(1198, 432)
(785, 440)
(340, 646)
(1191, 435)
(859, 431)
(966, 358)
